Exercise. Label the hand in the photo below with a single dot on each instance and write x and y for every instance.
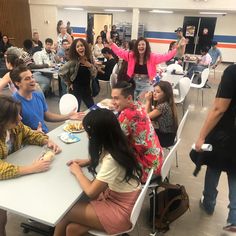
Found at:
(39, 128)
(40, 166)
(53, 146)
(80, 162)
(198, 144)
(85, 62)
(74, 115)
(214, 66)
(71, 87)
(75, 168)
(148, 96)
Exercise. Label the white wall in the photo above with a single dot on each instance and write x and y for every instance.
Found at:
(76, 18)
(44, 20)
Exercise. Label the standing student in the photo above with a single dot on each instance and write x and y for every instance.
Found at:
(97, 50)
(163, 114)
(116, 186)
(79, 71)
(181, 49)
(141, 63)
(219, 129)
(13, 135)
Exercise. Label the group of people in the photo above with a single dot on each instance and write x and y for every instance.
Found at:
(126, 147)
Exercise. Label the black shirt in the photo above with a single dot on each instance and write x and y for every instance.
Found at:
(227, 89)
(109, 65)
(140, 69)
(83, 77)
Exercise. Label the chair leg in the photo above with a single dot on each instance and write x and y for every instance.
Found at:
(202, 97)
(176, 159)
(154, 211)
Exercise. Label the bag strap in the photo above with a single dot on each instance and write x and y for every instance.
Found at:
(179, 197)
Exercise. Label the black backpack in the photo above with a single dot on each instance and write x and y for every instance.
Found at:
(171, 202)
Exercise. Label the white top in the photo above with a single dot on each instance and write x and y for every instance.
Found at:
(43, 57)
(97, 51)
(113, 174)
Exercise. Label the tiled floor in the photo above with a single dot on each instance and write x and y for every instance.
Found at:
(194, 222)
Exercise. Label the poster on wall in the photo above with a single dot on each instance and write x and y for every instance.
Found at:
(205, 31)
(190, 30)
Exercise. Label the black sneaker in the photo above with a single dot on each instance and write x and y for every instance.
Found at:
(209, 212)
(230, 228)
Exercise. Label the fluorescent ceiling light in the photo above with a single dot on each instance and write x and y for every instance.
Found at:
(117, 10)
(74, 8)
(160, 11)
(212, 13)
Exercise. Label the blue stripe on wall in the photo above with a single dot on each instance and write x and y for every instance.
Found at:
(160, 35)
(172, 36)
(225, 38)
(79, 30)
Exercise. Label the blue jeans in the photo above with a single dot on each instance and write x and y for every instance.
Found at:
(194, 68)
(43, 81)
(210, 192)
(141, 85)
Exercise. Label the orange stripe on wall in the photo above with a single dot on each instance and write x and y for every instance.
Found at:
(221, 45)
(79, 35)
(168, 41)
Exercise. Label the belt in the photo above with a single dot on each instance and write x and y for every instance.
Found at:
(140, 77)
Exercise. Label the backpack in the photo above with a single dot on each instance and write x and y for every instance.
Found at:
(171, 203)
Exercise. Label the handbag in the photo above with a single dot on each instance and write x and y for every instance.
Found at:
(95, 87)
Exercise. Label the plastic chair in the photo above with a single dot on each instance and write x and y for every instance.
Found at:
(135, 212)
(204, 77)
(165, 169)
(115, 69)
(175, 67)
(113, 80)
(184, 87)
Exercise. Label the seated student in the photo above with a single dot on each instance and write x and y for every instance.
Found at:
(34, 107)
(202, 63)
(61, 57)
(13, 134)
(163, 114)
(105, 73)
(116, 186)
(138, 128)
(215, 54)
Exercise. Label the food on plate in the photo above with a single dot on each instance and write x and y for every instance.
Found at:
(74, 126)
(106, 103)
(48, 156)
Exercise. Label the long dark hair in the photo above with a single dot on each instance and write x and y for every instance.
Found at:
(73, 53)
(147, 51)
(105, 135)
(166, 87)
(10, 110)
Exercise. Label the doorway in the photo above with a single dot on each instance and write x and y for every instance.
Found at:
(199, 31)
(96, 22)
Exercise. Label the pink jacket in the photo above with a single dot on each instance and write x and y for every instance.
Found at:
(151, 63)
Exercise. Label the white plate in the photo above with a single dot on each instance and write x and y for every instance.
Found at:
(68, 102)
(69, 138)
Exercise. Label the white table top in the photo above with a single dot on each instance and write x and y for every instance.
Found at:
(44, 197)
(46, 70)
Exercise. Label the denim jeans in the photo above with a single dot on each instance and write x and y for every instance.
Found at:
(210, 192)
(141, 85)
(43, 81)
(194, 68)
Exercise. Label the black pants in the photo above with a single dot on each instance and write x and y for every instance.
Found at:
(83, 93)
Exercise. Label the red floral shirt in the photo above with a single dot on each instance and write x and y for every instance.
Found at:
(138, 128)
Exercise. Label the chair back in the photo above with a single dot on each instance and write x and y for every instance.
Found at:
(165, 169)
(181, 125)
(172, 67)
(184, 87)
(113, 80)
(139, 202)
(204, 76)
(115, 69)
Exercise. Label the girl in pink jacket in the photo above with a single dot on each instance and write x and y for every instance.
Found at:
(141, 63)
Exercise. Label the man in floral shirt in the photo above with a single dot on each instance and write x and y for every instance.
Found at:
(138, 128)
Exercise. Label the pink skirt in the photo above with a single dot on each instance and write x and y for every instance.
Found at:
(113, 210)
